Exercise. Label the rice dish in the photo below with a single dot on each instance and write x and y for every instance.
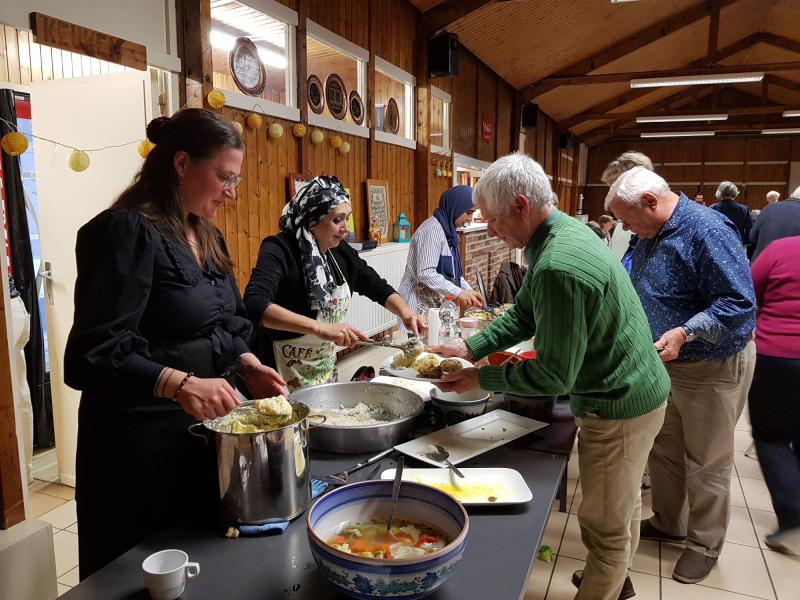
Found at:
(360, 414)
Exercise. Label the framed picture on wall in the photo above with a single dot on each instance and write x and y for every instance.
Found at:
(378, 206)
(296, 182)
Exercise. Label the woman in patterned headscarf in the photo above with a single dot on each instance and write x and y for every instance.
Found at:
(301, 286)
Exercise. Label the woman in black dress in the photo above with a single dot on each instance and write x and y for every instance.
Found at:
(300, 289)
(159, 333)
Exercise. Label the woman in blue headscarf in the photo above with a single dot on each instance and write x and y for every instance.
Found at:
(434, 268)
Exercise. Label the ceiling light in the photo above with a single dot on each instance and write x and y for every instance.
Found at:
(665, 134)
(779, 131)
(791, 113)
(676, 118)
(697, 80)
(621, 1)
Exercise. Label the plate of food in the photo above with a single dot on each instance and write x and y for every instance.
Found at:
(425, 366)
(479, 487)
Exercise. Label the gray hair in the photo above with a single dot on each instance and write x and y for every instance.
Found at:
(625, 162)
(630, 186)
(773, 196)
(511, 175)
(726, 189)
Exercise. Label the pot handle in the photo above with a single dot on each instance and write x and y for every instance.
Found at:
(313, 425)
(191, 430)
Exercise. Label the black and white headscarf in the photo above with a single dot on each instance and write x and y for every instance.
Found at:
(302, 212)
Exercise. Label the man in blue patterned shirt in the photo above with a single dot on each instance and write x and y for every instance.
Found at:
(692, 276)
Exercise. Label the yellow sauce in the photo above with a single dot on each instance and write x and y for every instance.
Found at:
(469, 492)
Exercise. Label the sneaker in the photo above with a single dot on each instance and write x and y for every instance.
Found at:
(693, 566)
(787, 541)
(648, 532)
(627, 587)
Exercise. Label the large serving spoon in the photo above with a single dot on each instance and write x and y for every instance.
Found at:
(398, 478)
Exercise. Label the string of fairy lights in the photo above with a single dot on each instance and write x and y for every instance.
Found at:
(14, 143)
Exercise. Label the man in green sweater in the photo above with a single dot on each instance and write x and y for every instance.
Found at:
(592, 342)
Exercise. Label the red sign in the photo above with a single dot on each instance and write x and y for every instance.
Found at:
(486, 127)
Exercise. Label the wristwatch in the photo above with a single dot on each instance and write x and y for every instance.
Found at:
(690, 334)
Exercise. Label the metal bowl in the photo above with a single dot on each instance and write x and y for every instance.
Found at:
(403, 403)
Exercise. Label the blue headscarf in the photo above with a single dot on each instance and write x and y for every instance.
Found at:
(452, 204)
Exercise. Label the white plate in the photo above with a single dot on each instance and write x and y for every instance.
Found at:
(472, 437)
(412, 373)
(421, 388)
(505, 485)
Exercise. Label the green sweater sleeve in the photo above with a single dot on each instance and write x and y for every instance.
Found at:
(564, 310)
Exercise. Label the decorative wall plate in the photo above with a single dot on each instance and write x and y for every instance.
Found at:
(246, 67)
(316, 97)
(391, 117)
(356, 108)
(336, 96)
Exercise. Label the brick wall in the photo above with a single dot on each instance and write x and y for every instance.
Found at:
(484, 254)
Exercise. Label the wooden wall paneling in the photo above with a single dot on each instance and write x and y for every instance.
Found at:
(3, 55)
(350, 21)
(12, 55)
(423, 172)
(506, 141)
(465, 106)
(24, 46)
(395, 25)
(754, 196)
(715, 173)
(487, 105)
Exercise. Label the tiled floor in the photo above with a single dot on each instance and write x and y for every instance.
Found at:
(747, 569)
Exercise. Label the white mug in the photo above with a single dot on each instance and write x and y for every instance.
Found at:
(165, 573)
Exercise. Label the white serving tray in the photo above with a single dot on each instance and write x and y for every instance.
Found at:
(412, 373)
(505, 486)
(472, 437)
(421, 388)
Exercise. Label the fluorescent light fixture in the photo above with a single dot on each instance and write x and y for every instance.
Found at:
(791, 113)
(677, 118)
(697, 80)
(622, 1)
(224, 41)
(779, 131)
(667, 134)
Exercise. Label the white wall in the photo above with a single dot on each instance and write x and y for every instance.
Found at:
(147, 22)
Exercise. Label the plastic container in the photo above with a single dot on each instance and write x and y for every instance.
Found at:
(469, 327)
(448, 315)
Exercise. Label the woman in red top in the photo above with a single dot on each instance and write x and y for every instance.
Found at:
(774, 401)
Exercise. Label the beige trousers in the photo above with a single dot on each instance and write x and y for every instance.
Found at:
(690, 466)
(611, 457)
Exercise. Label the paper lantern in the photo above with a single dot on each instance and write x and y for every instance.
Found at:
(238, 127)
(254, 121)
(317, 136)
(438, 172)
(336, 142)
(299, 130)
(275, 131)
(215, 99)
(78, 161)
(449, 173)
(145, 147)
(14, 143)
(344, 148)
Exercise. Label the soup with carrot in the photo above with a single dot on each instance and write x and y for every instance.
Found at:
(371, 540)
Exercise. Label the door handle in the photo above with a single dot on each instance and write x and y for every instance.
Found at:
(47, 275)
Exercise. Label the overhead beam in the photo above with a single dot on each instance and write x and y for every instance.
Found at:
(630, 96)
(713, 29)
(784, 83)
(630, 116)
(550, 83)
(780, 41)
(638, 40)
(727, 128)
(448, 12)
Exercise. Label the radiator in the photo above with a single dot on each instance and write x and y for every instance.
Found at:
(389, 260)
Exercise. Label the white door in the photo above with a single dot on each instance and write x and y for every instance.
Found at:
(86, 113)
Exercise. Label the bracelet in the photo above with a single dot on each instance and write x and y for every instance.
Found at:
(181, 384)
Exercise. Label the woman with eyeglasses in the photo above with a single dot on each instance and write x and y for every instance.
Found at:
(159, 333)
(300, 289)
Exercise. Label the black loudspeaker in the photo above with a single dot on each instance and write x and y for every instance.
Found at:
(566, 140)
(530, 115)
(443, 55)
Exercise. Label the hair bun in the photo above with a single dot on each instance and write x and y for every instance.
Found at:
(155, 129)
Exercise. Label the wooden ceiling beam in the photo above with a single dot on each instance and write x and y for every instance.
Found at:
(780, 41)
(744, 110)
(548, 84)
(448, 12)
(713, 29)
(721, 128)
(638, 40)
(784, 83)
(623, 99)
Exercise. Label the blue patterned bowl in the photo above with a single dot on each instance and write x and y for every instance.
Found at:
(368, 578)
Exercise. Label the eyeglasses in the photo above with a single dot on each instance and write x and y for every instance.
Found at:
(229, 182)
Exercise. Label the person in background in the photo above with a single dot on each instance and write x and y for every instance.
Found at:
(777, 220)
(599, 231)
(592, 342)
(434, 269)
(607, 224)
(738, 214)
(700, 199)
(159, 334)
(774, 403)
(300, 290)
(622, 240)
(691, 273)
(772, 197)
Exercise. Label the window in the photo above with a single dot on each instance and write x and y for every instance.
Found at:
(271, 27)
(329, 56)
(394, 105)
(440, 121)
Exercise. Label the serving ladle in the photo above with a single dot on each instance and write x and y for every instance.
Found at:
(398, 478)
